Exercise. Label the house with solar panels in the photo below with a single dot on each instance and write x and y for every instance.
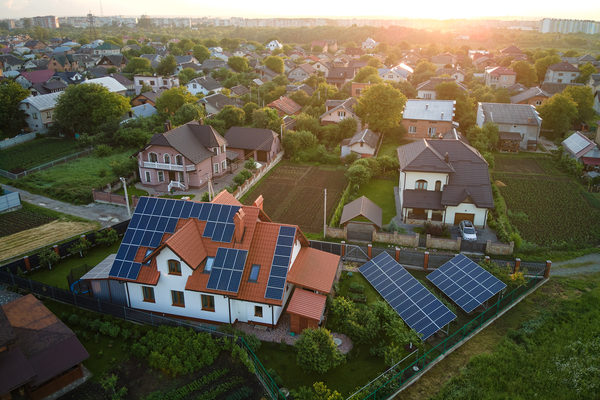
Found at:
(518, 123)
(217, 262)
(582, 149)
(443, 182)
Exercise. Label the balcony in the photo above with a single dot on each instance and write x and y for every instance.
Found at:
(168, 167)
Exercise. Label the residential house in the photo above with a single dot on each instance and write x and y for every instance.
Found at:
(39, 354)
(369, 44)
(48, 87)
(143, 110)
(594, 83)
(301, 72)
(11, 63)
(285, 106)
(517, 88)
(39, 110)
(204, 85)
(484, 62)
(424, 119)
(364, 143)
(320, 43)
(125, 82)
(396, 74)
(511, 51)
(35, 45)
(262, 145)
(107, 49)
(499, 77)
(554, 88)
(182, 158)
(304, 87)
(214, 103)
(154, 59)
(147, 98)
(580, 148)
(357, 88)
(42, 63)
(186, 59)
(265, 73)
(332, 45)
(339, 76)
(458, 74)
(426, 90)
(443, 60)
(411, 58)
(596, 105)
(180, 67)
(28, 78)
(84, 61)
(155, 82)
(118, 61)
(357, 211)
(210, 65)
(519, 124)
(288, 65)
(563, 72)
(68, 78)
(534, 96)
(323, 67)
(274, 44)
(337, 110)
(223, 55)
(110, 83)
(239, 90)
(63, 62)
(443, 182)
(355, 52)
(356, 65)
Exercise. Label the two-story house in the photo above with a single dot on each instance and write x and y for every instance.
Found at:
(499, 77)
(39, 110)
(534, 96)
(118, 61)
(182, 158)
(260, 144)
(562, 72)
(442, 60)
(426, 90)
(63, 62)
(518, 123)
(155, 82)
(369, 44)
(337, 110)
(458, 74)
(285, 106)
(274, 44)
(396, 74)
(301, 72)
(107, 49)
(424, 119)
(339, 76)
(511, 50)
(443, 182)
(204, 85)
(481, 63)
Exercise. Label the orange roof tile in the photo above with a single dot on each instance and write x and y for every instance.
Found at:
(307, 304)
(149, 274)
(226, 198)
(314, 269)
(187, 243)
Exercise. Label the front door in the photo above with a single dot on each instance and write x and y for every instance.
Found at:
(303, 323)
(172, 176)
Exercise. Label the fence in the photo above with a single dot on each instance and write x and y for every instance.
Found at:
(246, 186)
(11, 201)
(26, 137)
(110, 198)
(51, 164)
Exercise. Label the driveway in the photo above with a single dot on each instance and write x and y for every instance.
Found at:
(483, 234)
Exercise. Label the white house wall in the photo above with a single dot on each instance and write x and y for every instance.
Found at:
(466, 208)
(430, 177)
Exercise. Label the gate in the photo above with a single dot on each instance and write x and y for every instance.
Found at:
(360, 232)
(472, 247)
(356, 253)
(423, 240)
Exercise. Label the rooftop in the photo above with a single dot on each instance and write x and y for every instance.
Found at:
(430, 110)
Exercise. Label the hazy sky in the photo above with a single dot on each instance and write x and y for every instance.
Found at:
(310, 8)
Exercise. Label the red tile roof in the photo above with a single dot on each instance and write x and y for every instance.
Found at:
(187, 243)
(286, 105)
(307, 304)
(226, 198)
(314, 269)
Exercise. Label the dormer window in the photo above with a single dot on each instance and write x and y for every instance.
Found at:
(174, 267)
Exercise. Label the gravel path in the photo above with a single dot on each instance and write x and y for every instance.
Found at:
(557, 269)
(106, 214)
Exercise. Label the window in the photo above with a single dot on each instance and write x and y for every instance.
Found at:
(177, 298)
(358, 92)
(412, 129)
(161, 176)
(27, 105)
(208, 265)
(178, 160)
(165, 82)
(223, 165)
(223, 149)
(34, 115)
(559, 81)
(167, 159)
(48, 114)
(258, 311)
(152, 83)
(504, 78)
(216, 168)
(391, 76)
(560, 74)
(208, 303)
(148, 176)
(216, 151)
(180, 177)
(538, 103)
(194, 86)
(421, 184)
(254, 273)
(341, 114)
(152, 157)
(427, 96)
(431, 130)
(148, 293)
(174, 267)
(438, 186)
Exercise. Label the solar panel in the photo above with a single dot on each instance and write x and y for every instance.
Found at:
(227, 269)
(465, 282)
(280, 263)
(416, 305)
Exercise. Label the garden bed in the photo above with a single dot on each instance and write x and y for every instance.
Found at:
(30, 154)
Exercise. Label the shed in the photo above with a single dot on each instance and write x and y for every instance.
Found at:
(305, 309)
(363, 208)
(103, 288)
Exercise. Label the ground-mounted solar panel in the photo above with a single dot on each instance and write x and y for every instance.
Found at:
(416, 305)
(466, 283)
(280, 263)
(227, 269)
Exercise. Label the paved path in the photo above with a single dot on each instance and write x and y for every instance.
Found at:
(589, 269)
(106, 214)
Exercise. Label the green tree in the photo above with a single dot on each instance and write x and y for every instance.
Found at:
(350, 45)
(293, 142)
(187, 74)
(167, 66)
(506, 61)
(27, 23)
(81, 247)
(48, 257)
(368, 75)
(586, 71)
(317, 352)
(201, 53)
(249, 109)
(188, 112)
(315, 80)
(275, 64)
(146, 88)
(84, 108)
(173, 99)
(132, 41)
(106, 237)
(381, 107)
(109, 383)
(317, 49)
(358, 174)
(147, 50)
(319, 391)
(406, 88)
(232, 116)
(423, 71)
(12, 119)
(484, 138)
(542, 65)
(558, 113)
(239, 64)
(584, 98)
(526, 73)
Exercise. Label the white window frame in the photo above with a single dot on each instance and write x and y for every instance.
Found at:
(431, 130)
(34, 115)
(341, 114)
(161, 176)
(167, 158)
(223, 165)
(179, 159)
(216, 168)
(180, 177)
(427, 96)
(412, 129)
(148, 177)
(150, 158)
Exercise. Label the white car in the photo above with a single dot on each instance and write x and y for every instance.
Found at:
(467, 231)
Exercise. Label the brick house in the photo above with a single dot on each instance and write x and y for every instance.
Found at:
(63, 63)
(424, 119)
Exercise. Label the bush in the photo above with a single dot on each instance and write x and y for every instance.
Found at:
(317, 352)
(103, 151)
(356, 287)
(74, 319)
(106, 237)
(95, 325)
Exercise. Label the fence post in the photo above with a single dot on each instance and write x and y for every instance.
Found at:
(55, 248)
(124, 313)
(99, 309)
(75, 298)
(397, 254)
(27, 265)
(343, 248)
(487, 260)
(517, 265)
(52, 291)
(12, 276)
(30, 285)
(547, 270)
(369, 251)
(152, 319)
(426, 260)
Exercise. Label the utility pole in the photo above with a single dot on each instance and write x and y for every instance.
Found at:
(325, 216)
(126, 197)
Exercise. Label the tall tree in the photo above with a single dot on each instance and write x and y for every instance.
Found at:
(275, 64)
(317, 351)
(173, 99)
(541, 65)
(586, 71)
(558, 113)
(381, 107)
(167, 66)
(526, 73)
(137, 65)
(232, 116)
(11, 118)
(239, 64)
(201, 53)
(368, 75)
(584, 98)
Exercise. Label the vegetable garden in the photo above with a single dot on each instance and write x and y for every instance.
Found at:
(28, 155)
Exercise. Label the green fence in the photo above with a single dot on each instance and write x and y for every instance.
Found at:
(389, 384)
(262, 374)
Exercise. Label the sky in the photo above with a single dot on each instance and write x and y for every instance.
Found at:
(311, 8)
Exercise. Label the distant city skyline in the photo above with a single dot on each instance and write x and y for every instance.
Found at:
(377, 9)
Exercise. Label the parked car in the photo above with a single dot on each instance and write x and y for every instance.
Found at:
(467, 231)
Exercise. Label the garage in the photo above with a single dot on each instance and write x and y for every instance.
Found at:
(463, 217)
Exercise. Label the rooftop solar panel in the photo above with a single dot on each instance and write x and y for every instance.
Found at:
(418, 307)
(226, 272)
(141, 204)
(150, 206)
(205, 212)
(214, 212)
(186, 210)
(279, 269)
(466, 283)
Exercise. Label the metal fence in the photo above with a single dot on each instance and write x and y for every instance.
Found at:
(22, 138)
(42, 167)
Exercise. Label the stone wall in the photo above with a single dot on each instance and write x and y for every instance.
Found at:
(110, 198)
(395, 238)
(499, 248)
(445, 244)
(337, 233)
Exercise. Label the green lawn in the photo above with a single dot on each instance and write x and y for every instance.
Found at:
(132, 191)
(177, 196)
(381, 192)
(36, 152)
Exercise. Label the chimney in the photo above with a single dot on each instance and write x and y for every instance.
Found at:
(258, 202)
(447, 158)
(529, 120)
(201, 121)
(426, 106)
(167, 125)
(238, 220)
(442, 115)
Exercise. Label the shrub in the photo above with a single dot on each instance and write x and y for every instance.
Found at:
(84, 322)
(103, 151)
(95, 325)
(317, 352)
(106, 237)
(48, 257)
(105, 328)
(356, 287)
(126, 334)
(74, 319)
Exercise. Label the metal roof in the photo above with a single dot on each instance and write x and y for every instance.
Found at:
(43, 102)
(430, 110)
(513, 114)
(108, 82)
(577, 144)
(362, 207)
(101, 270)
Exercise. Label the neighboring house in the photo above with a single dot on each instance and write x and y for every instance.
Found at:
(239, 90)
(260, 144)
(554, 88)
(223, 56)
(517, 88)
(144, 110)
(337, 110)
(519, 124)
(304, 87)
(424, 119)
(155, 82)
(53, 86)
(582, 149)
(499, 77)
(534, 96)
(39, 354)
(332, 45)
(363, 143)
(369, 44)
(594, 82)
(84, 61)
(285, 106)
(321, 43)
(426, 90)
(355, 52)
(107, 49)
(39, 110)
(11, 63)
(323, 66)
(182, 158)
(484, 62)
(301, 72)
(563, 72)
(110, 83)
(63, 62)
(28, 78)
(339, 76)
(458, 74)
(596, 105)
(147, 98)
(35, 45)
(288, 65)
(274, 44)
(180, 67)
(265, 73)
(511, 51)
(210, 65)
(395, 74)
(154, 59)
(204, 85)
(411, 58)
(69, 78)
(441, 61)
(214, 103)
(117, 61)
(357, 88)
(186, 59)
(125, 82)
(443, 182)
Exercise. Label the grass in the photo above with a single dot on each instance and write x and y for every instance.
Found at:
(37, 152)
(177, 196)
(132, 191)
(381, 192)
(577, 264)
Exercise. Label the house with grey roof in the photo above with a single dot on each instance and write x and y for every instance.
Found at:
(260, 144)
(364, 143)
(518, 123)
(143, 110)
(426, 90)
(424, 119)
(354, 215)
(582, 149)
(204, 85)
(562, 72)
(39, 110)
(394, 74)
(534, 96)
(337, 110)
(214, 103)
(443, 182)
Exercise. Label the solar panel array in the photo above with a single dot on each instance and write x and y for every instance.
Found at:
(576, 143)
(227, 269)
(465, 282)
(416, 305)
(154, 217)
(281, 261)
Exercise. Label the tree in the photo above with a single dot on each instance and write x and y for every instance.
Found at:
(317, 352)
(146, 88)
(109, 383)
(315, 80)
(558, 113)
(570, 53)
(188, 112)
(173, 99)
(249, 110)
(375, 63)
(167, 66)
(81, 247)
(381, 107)
(391, 60)
(406, 88)
(84, 108)
(27, 23)
(250, 165)
(201, 53)
(350, 45)
(293, 142)
(48, 257)
(317, 49)
(423, 71)
(319, 391)
(147, 50)
(232, 116)
(542, 65)
(137, 65)
(526, 73)
(584, 98)
(368, 75)
(106, 237)
(239, 64)
(358, 174)
(484, 138)
(586, 71)
(383, 47)
(275, 64)
(506, 61)
(12, 119)
(187, 74)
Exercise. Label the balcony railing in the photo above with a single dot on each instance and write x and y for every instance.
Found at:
(170, 167)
